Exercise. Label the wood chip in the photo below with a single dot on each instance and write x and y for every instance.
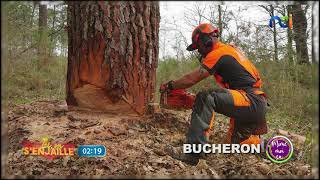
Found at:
(89, 124)
(181, 165)
(263, 168)
(159, 152)
(72, 126)
(202, 164)
(116, 131)
(97, 131)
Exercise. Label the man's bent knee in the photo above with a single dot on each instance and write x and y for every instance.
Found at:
(200, 101)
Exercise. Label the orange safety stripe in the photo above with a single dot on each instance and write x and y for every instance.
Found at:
(210, 129)
(240, 98)
(211, 122)
(258, 92)
(253, 139)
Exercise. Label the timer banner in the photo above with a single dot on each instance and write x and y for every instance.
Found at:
(92, 151)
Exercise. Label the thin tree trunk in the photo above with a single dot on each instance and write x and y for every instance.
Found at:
(53, 30)
(274, 36)
(220, 22)
(34, 4)
(43, 35)
(112, 54)
(315, 33)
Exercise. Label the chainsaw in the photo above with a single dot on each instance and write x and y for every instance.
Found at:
(177, 99)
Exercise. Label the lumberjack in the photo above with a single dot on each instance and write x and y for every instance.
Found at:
(240, 96)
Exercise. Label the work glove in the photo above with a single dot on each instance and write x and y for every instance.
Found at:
(167, 87)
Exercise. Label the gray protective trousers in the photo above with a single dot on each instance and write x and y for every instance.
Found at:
(247, 109)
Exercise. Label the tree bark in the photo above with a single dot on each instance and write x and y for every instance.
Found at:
(299, 22)
(315, 35)
(220, 22)
(53, 30)
(275, 42)
(43, 35)
(112, 54)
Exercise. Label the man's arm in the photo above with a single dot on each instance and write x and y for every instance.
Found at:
(191, 79)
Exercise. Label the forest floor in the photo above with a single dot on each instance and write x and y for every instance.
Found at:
(135, 145)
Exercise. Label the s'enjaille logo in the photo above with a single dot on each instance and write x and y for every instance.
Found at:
(279, 149)
(47, 149)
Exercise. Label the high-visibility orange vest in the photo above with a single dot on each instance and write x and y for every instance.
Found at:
(219, 50)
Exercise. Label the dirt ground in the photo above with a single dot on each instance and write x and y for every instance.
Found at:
(135, 145)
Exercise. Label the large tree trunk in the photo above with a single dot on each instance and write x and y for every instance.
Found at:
(43, 35)
(112, 54)
(299, 22)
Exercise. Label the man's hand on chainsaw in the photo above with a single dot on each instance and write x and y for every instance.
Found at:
(167, 87)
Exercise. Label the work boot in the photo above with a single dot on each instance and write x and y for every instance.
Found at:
(262, 154)
(177, 153)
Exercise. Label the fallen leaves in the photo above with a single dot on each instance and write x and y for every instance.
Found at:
(135, 146)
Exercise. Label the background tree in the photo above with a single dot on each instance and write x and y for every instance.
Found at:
(300, 32)
(315, 32)
(25, 81)
(218, 15)
(112, 54)
(220, 22)
(271, 9)
(289, 32)
(43, 34)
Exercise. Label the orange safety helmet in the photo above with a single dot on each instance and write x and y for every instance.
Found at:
(203, 28)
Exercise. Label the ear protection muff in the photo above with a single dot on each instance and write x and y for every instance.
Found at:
(205, 39)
